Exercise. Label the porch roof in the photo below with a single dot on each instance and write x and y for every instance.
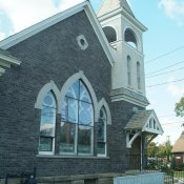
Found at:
(146, 121)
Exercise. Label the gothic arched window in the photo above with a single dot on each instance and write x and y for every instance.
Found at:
(110, 33)
(48, 124)
(77, 121)
(101, 133)
(129, 70)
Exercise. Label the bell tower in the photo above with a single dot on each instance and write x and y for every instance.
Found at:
(124, 33)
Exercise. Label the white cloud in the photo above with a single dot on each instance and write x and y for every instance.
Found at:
(176, 90)
(68, 3)
(174, 9)
(26, 13)
(2, 35)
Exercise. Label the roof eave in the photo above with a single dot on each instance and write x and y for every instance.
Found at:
(38, 27)
(10, 60)
(99, 32)
(84, 6)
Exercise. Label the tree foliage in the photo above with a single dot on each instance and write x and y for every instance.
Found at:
(179, 108)
(160, 151)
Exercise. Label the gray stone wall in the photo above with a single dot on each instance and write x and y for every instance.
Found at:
(54, 54)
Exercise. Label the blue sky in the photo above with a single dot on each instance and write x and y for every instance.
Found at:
(165, 22)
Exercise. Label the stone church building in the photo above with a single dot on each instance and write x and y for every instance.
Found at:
(72, 94)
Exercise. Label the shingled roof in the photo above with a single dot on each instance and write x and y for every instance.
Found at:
(145, 121)
(179, 145)
(110, 5)
(139, 119)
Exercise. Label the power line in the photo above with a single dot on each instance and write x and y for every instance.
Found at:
(163, 73)
(163, 55)
(164, 68)
(164, 83)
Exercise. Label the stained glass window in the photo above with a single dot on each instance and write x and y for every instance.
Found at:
(101, 132)
(77, 120)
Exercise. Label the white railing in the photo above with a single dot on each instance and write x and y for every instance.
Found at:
(147, 178)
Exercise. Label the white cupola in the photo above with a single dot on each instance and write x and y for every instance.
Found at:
(124, 33)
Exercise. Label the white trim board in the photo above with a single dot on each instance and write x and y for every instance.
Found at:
(84, 6)
(9, 60)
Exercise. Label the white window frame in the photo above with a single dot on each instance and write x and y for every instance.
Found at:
(53, 141)
(80, 76)
(105, 137)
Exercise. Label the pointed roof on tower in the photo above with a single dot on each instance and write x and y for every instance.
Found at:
(110, 5)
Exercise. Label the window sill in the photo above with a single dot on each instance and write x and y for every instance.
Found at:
(72, 156)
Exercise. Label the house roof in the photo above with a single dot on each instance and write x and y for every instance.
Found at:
(179, 145)
(110, 5)
(146, 121)
(84, 6)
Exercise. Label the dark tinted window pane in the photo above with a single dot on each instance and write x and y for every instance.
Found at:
(84, 140)
(103, 114)
(73, 90)
(67, 137)
(101, 148)
(101, 130)
(48, 115)
(45, 144)
(47, 130)
(85, 113)
(72, 110)
(49, 100)
(47, 121)
(84, 95)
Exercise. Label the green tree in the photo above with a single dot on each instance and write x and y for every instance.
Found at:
(152, 150)
(164, 150)
(179, 108)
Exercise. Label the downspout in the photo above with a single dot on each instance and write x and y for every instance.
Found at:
(141, 153)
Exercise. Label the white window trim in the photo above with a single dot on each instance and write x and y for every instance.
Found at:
(51, 86)
(105, 154)
(80, 76)
(103, 103)
(53, 141)
(79, 38)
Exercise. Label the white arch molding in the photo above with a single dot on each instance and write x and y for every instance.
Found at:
(79, 76)
(51, 86)
(139, 46)
(103, 103)
(115, 29)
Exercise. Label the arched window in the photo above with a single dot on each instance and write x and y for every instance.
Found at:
(138, 75)
(77, 121)
(101, 133)
(110, 33)
(130, 37)
(150, 123)
(129, 70)
(48, 124)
